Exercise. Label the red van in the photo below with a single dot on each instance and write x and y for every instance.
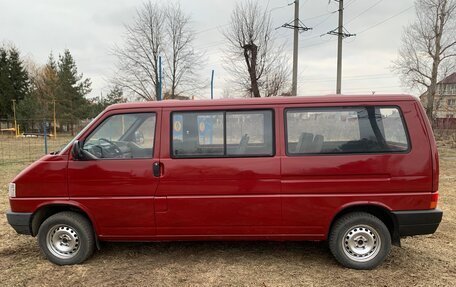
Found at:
(358, 171)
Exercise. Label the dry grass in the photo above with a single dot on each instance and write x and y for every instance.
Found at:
(422, 260)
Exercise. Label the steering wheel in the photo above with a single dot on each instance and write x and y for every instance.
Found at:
(117, 150)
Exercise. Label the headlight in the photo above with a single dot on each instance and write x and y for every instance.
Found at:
(12, 189)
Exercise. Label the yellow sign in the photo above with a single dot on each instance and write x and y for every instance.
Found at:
(202, 126)
(177, 126)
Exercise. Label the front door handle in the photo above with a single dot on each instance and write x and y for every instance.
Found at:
(156, 169)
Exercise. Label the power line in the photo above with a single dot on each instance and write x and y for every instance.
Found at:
(350, 3)
(359, 89)
(318, 80)
(364, 11)
(362, 31)
(318, 36)
(227, 24)
(329, 14)
(387, 19)
(280, 7)
(210, 29)
(326, 19)
(318, 16)
(220, 42)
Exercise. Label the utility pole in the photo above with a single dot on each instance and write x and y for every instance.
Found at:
(212, 85)
(339, 47)
(160, 78)
(14, 115)
(341, 34)
(55, 123)
(297, 26)
(294, 87)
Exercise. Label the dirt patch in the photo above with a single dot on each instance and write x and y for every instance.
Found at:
(421, 261)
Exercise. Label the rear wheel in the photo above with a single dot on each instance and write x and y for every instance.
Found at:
(66, 238)
(360, 240)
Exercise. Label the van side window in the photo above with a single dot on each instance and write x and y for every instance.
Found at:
(393, 128)
(198, 134)
(124, 136)
(249, 133)
(345, 130)
(222, 134)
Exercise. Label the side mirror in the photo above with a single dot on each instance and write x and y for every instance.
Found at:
(76, 151)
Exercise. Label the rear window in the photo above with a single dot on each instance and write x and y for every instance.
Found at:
(222, 134)
(345, 130)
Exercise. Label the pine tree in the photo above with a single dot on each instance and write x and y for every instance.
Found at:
(71, 91)
(14, 80)
(5, 87)
(115, 96)
(29, 112)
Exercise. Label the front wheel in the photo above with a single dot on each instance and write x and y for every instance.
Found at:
(66, 238)
(360, 240)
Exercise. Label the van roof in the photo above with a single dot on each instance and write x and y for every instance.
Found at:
(265, 101)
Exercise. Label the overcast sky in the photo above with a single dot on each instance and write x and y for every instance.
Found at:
(89, 29)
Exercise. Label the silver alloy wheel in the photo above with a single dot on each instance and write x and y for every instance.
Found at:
(63, 241)
(361, 243)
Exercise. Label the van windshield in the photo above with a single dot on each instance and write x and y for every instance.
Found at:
(68, 145)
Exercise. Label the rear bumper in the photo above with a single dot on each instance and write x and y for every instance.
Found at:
(20, 221)
(417, 222)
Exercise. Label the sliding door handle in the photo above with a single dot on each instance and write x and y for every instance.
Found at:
(156, 169)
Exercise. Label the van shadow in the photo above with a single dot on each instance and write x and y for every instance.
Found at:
(216, 251)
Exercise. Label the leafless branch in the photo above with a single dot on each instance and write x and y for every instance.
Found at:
(428, 48)
(158, 30)
(251, 55)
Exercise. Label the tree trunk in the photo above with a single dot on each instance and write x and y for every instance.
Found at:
(438, 30)
(431, 91)
(251, 66)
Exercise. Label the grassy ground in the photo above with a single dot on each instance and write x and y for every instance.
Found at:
(421, 261)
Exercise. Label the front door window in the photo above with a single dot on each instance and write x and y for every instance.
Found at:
(125, 136)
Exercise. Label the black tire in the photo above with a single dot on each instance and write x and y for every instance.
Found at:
(359, 240)
(66, 238)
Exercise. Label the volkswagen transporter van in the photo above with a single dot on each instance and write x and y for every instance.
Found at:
(358, 171)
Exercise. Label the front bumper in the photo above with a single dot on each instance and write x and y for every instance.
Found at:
(20, 221)
(417, 222)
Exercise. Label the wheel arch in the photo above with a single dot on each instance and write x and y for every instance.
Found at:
(376, 209)
(44, 211)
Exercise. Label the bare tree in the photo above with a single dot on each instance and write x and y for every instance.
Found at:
(278, 78)
(252, 57)
(138, 57)
(158, 30)
(182, 60)
(428, 46)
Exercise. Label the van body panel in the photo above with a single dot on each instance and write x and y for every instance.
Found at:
(313, 213)
(37, 204)
(46, 177)
(432, 145)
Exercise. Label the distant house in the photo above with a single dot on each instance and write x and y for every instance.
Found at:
(444, 101)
